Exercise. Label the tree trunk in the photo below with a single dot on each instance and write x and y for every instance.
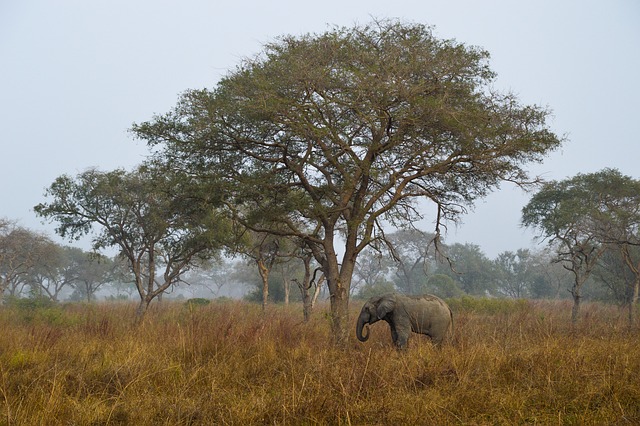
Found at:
(306, 306)
(576, 292)
(141, 310)
(88, 292)
(338, 298)
(575, 311)
(340, 315)
(338, 278)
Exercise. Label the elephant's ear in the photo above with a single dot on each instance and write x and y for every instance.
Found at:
(385, 306)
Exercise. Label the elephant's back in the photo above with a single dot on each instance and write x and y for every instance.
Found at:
(431, 299)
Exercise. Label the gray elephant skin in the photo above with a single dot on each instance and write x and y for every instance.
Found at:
(425, 314)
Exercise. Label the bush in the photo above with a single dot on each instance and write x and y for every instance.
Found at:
(197, 301)
(29, 304)
(41, 310)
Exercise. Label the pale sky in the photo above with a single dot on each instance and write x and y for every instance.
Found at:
(74, 76)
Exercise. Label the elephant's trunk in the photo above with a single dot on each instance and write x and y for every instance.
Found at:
(359, 327)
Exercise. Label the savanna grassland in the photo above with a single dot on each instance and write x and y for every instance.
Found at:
(510, 362)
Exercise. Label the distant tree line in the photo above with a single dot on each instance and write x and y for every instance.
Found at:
(598, 227)
(32, 265)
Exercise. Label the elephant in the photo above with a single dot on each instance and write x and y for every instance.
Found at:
(425, 314)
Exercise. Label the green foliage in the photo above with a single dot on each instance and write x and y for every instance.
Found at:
(40, 310)
(472, 270)
(387, 92)
(30, 303)
(196, 301)
(595, 205)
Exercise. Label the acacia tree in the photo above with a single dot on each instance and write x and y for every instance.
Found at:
(155, 219)
(515, 273)
(20, 250)
(57, 267)
(582, 217)
(94, 271)
(474, 271)
(619, 225)
(350, 128)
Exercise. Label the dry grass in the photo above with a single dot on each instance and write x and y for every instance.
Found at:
(510, 363)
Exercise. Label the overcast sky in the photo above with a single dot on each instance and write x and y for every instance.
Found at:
(74, 76)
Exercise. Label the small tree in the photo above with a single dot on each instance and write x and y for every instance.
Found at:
(473, 270)
(582, 217)
(515, 273)
(94, 271)
(615, 277)
(550, 278)
(263, 249)
(159, 225)
(57, 268)
(20, 250)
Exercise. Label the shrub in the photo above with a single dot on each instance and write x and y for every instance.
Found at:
(197, 301)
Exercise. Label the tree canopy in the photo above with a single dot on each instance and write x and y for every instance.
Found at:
(339, 132)
(584, 216)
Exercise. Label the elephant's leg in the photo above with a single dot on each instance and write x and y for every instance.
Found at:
(403, 337)
(394, 333)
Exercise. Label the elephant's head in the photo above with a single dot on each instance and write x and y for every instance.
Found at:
(374, 310)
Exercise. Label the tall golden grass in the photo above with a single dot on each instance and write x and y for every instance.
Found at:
(227, 363)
